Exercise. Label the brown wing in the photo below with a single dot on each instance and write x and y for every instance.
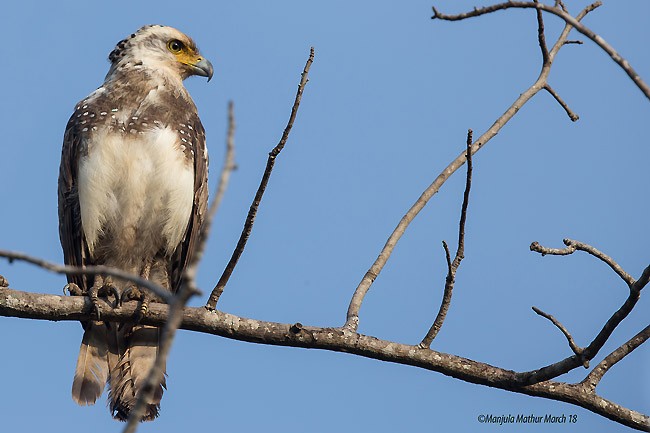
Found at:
(75, 250)
(186, 250)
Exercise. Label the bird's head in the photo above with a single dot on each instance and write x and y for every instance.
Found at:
(162, 48)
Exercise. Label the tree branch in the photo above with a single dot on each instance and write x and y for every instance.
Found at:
(252, 212)
(589, 352)
(86, 270)
(572, 344)
(574, 22)
(594, 377)
(452, 267)
(573, 246)
(352, 317)
(573, 116)
(541, 36)
(14, 303)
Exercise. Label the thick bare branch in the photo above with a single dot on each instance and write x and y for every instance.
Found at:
(252, 212)
(14, 303)
(452, 267)
(352, 317)
(562, 13)
(88, 270)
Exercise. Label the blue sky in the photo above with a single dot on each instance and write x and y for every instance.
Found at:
(390, 98)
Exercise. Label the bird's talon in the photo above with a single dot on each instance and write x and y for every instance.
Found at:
(131, 293)
(110, 289)
(72, 289)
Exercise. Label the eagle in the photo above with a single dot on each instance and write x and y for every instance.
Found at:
(132, 194)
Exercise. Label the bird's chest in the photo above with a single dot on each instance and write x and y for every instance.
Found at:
(135, 192)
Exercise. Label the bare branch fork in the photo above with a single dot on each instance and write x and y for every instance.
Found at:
(452, 267)
(584, 355)
(352, 318)
(252, 212)
(561, 12)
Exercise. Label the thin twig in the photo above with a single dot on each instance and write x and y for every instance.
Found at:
(572, 344)
(573, 246)
(594, 377)
(252, 212)
(573, 116)
(541, 37)
(562, 13)
(88, 270)
(227, 168)
(452, 267)
(352, 317)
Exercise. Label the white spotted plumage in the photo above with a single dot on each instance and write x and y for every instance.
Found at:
(132, 196)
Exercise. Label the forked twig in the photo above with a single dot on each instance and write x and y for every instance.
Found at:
(594, 377)
(573, 246)
(352, 316)
(562, 13)
(452, 267)
(252, 212)
(588, 353)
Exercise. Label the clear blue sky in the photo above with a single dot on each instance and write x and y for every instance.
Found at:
(390, 97)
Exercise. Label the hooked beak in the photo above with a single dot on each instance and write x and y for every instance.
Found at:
(203, 68)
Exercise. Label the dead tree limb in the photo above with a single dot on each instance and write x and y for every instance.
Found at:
(452, 266)
(573, 22)
(352, 317)
(15, 303)
(252, 212)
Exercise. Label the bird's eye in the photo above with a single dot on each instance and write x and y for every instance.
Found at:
(175, 46)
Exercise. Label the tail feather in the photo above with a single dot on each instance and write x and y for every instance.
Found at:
(137, 347)
(92, 365)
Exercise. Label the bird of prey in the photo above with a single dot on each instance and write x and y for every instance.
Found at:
(132, 195)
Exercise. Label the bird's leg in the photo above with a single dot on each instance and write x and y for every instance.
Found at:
(108, 288)
(102, 287)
